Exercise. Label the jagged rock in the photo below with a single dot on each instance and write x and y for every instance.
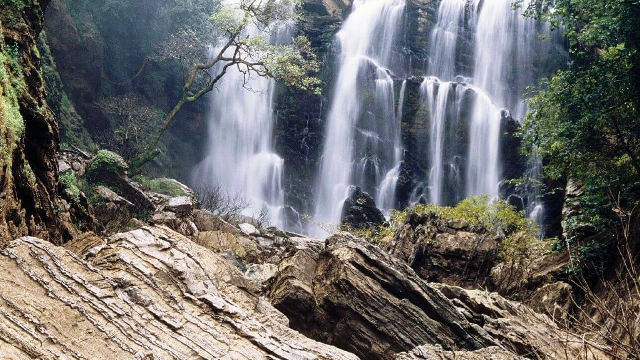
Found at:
(358, 298)
(555, 300)
(180, 204)
(63, 167)
(261, 273)
(360, 211)
(166, 218)
(244, 249)
(518, 328)
(437, 353)
(145, 294)
(133, 192)
(448, 251)
(207, 221)
(28, 132)
(109, 196)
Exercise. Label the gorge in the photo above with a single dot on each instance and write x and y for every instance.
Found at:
(320, 179)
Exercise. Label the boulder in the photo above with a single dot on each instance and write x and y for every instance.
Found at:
(181, 204)
(205, 220)
(447, 251)
(360, 211)
(145, 294)
(249, 229)
(107, 195)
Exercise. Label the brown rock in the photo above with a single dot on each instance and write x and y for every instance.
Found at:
(440, 251)
(146, 294)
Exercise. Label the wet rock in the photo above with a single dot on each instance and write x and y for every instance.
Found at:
(360, 211)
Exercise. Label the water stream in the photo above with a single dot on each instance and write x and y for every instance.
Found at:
(362, 136)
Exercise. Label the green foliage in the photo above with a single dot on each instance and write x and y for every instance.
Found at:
(160, 186)
(495, 216)
(11, 85)
(585, 120)
(106, 167)
(374, 234)
(69, 184)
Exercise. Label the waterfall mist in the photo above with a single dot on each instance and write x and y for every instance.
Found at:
(240, 159)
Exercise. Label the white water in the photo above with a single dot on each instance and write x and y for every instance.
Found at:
(506, 44)
(241, 159)
(444, 39)
(362, 124)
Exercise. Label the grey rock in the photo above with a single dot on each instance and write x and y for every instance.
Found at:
(249, 229)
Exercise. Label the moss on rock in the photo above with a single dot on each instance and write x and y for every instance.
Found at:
(107, 168)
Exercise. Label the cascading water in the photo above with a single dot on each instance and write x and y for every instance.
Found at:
(241, 160)
(444, 39)
(362, 123)
(505, 43)
(509, 50)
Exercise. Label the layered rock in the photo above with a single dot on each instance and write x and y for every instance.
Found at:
(447, 251)
(146, 294)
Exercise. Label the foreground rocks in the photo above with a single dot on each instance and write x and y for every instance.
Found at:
(358, 298)
(145, 294)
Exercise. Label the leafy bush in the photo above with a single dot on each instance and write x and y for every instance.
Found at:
(106, 167)
(70, 187)
(160, 186)
(495, 216)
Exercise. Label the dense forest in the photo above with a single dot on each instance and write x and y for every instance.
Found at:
(306, 179)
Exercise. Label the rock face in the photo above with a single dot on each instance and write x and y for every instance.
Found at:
(362, 300)
(447, 251)
(360, 211)
(28, 131)
(146, 294)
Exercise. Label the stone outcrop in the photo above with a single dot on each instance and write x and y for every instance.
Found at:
(358, 298)
(146, 294)
(362, 300)
(360, 211)
(446, 251)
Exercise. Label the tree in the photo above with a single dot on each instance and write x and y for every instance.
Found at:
(243, 44)
(132, 118)
(585, 120)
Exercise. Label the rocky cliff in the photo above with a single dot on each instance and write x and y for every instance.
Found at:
(28, 130)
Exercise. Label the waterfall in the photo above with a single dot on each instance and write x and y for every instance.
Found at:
(444, 39)
(443, 99)
(361, 123)
(386, 197)
(507, 49)
(240, 157)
